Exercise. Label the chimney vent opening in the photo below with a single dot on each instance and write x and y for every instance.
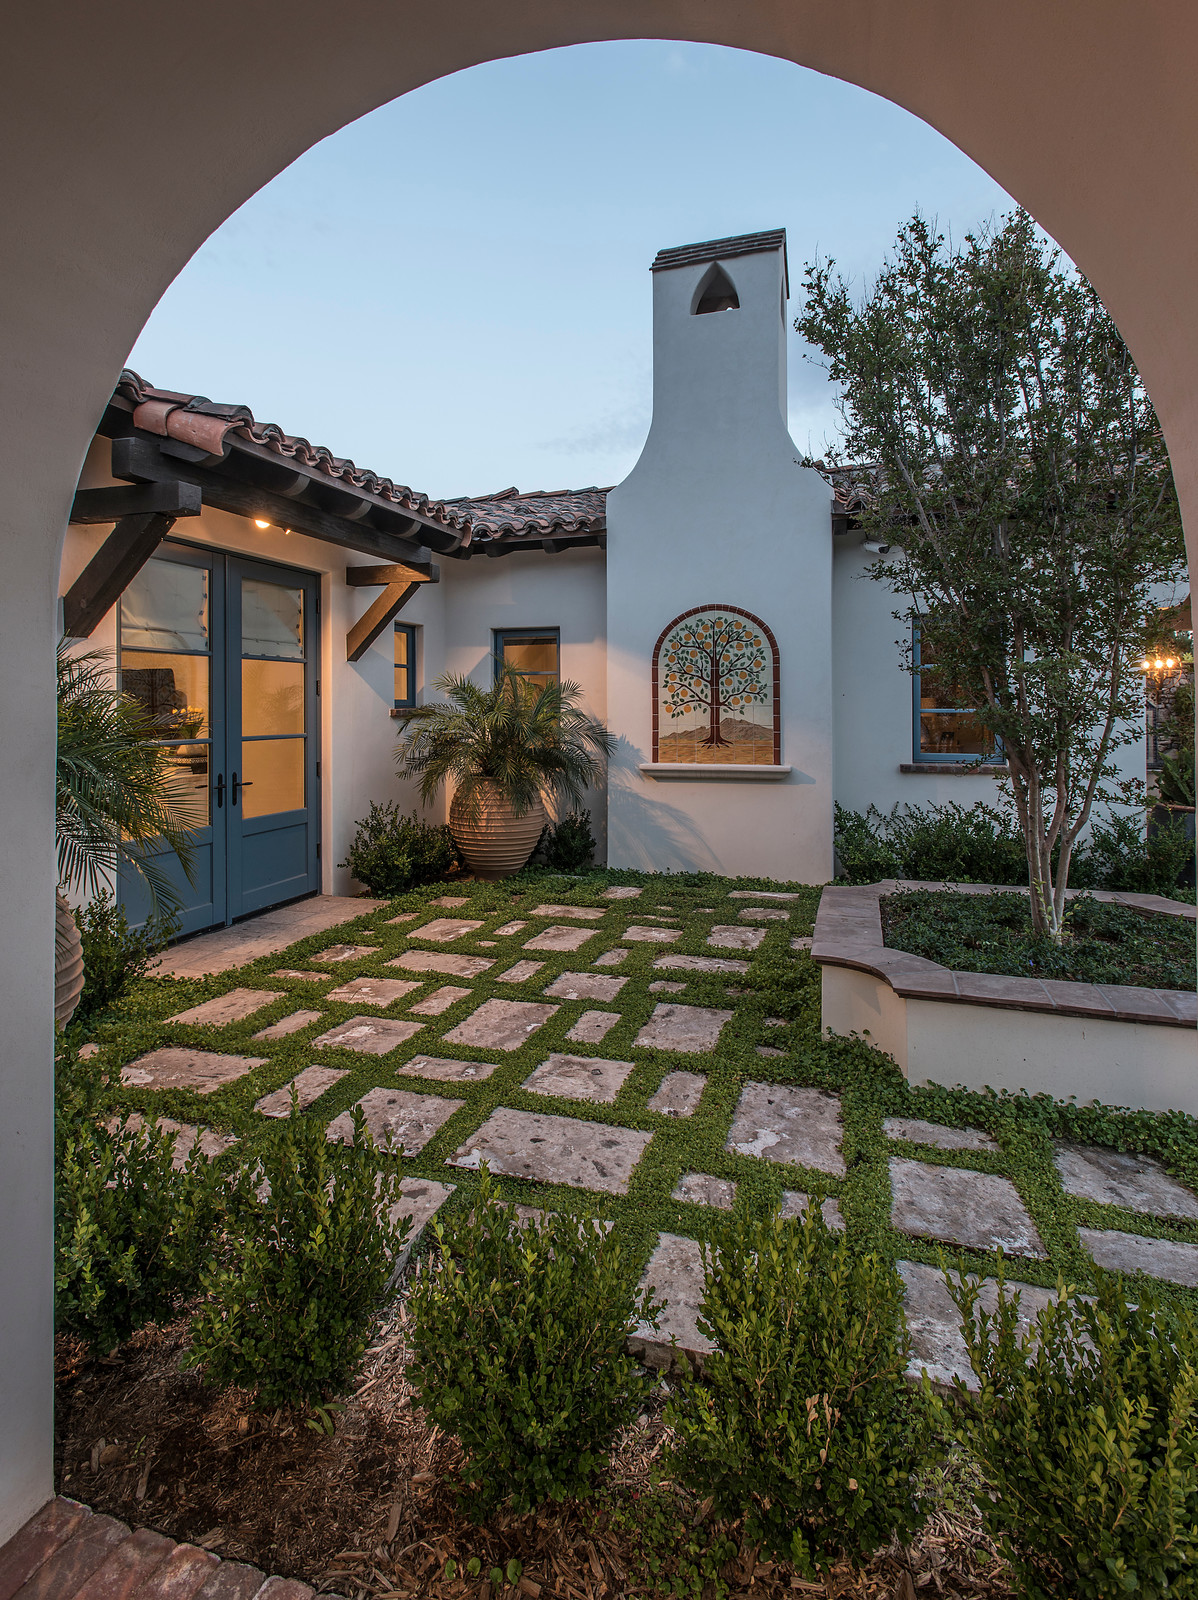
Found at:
(715, 293)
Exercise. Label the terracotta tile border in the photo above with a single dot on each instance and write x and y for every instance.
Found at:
(848, 933)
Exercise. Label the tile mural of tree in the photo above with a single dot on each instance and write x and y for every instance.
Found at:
(716, 674)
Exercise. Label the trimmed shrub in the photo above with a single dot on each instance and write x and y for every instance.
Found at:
(570, 844)
(1087, 1429)
(1125, 854)
(115, 956)
(517, 1336)
(392, 853)
(308, 1253)
(801, 1420)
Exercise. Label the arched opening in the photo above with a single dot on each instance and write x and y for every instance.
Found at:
(717, 292)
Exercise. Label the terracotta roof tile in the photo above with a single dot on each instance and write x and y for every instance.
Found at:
(540, 513)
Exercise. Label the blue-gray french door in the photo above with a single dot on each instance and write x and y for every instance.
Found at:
(224, 651)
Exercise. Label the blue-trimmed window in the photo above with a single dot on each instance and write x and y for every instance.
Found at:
(405, 666)
(535, 653)
(944, 729)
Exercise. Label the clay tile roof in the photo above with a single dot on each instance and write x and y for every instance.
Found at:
(744, 244)
(540, 513)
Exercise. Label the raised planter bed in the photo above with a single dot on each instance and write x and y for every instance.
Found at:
(1121, 1045)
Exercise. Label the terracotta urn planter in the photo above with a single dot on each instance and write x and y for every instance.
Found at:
(68, 962)
(495, 841)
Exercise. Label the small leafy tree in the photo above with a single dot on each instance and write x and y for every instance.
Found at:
(1020, 474)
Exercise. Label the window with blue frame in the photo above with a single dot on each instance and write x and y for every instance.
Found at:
(535, 653)
(405, 666)
(945, 730)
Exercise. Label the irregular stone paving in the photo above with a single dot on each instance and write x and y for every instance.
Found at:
(701, 1189)
(621, 892)
(584, 986)
(346, 952)
(785, 1123)
(520, 973)
(690, 1028)
(420, 1200)
(176, 1067)
(445, 1071)
(440, 1000)
(187, 1136)
(679, 1094)
(1132, 1252)
(450, 902)
(309, 977)
(404, 916)
(289, 1024)
(578, 1078)
(372, 991)
(308, 1086)
(501, 1024)
(673, 963)
(759, 894)
(579, 913)
(560, 937)
(935, 1323)
(508, 929)
(453, 966)
(371, 1036)
(762, 914)
(960, 1206)
(804, 943)
(444, 930)
(661, 987)
(397, 1117)
(938, 1134)
(675, 1274)
(611, 958)
(1114, 1178)
(731, 937)
(593, 1027)
(232, 1007)
(644, 935)
(795, 1202)
(549, 1149)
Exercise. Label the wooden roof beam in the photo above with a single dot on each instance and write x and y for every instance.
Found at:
(401, 581)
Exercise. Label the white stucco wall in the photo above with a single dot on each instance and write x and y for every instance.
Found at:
(717, 511)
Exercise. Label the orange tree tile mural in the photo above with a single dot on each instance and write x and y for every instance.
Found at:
(715, 689)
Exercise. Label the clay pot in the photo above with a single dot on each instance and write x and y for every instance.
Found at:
(495, 841)
(68, 962)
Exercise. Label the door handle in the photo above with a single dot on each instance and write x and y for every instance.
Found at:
(236, 786)
(220, 791)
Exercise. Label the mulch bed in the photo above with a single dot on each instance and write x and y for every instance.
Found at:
(372, 1510)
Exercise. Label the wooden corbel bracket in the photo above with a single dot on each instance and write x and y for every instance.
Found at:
(399, 582)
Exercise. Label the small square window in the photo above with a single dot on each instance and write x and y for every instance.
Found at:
(534, 653)
(405, 665)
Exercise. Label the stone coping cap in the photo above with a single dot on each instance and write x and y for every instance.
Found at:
(848, 933)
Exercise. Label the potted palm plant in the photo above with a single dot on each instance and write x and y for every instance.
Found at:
(115, 792)
(504, 749)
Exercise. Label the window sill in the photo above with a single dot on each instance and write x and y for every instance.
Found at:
(954, 769)
(714, 769)
(402, 713)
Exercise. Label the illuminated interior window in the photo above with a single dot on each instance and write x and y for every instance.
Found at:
(405, 665)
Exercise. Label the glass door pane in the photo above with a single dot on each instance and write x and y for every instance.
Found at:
(273, 698)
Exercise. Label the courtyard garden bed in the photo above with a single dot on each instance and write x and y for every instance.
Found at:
(644, 1051)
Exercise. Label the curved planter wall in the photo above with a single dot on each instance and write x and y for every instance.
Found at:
(1121, 1045)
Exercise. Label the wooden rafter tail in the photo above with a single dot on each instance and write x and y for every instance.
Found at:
(110, 571)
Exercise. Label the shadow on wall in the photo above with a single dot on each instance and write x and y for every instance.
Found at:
(644, 832)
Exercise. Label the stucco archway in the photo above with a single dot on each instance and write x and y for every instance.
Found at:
(133, 132)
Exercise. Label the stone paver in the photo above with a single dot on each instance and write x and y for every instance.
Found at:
(311, 1083)
(187, 1137)
(346, 952)
(675, 1274)
(762, 914)
(662, 987)
(450, 902)
(803, 943)
(732, 937)
(263, 935)
(443, 1070)
(768, 1050)
(549, 1149)
(501, 1024)
(585, 986)
(558, 936)
(674, 963)
(420, 1200)
(486, 944)
(371, 1036)
(444, 930)
(795, 1202)
(679, 1094)
(176, 1067)
(619, 891)
(308, 977)
(961, 1206)
(1131, 1252)
(759, 894)
(397, 1117)
(935, 1323)
(292, 1023)
(509, 928)
(611, 958)
(689, 1028)
(232, 1007)
(453, 966)
(88, 1050)
(404, 916)
(782, 1123)
(1113, 1178)
(578, 1078)
(520, 972)
(579, 913)
(938, 1134)
(593, 1027)
(372, 991)
(440, 1000)
(702, 1189)
(639, 933)
(665, 922)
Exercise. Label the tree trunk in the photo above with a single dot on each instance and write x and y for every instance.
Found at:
(714, 706)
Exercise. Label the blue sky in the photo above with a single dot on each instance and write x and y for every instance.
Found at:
(455, 290)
